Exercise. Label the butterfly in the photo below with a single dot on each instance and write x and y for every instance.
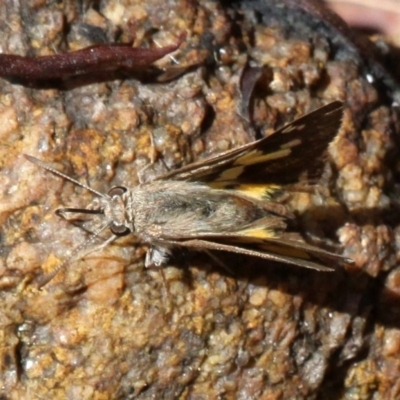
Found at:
(233, 202)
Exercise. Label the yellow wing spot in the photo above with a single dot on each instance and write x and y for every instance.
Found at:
(250, 159)
(293, 143)
(242, 160)
(257, 191)
(258, 233)
(230, 174)
(291, 128)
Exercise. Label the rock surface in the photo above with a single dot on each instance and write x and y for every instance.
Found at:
(106, 327)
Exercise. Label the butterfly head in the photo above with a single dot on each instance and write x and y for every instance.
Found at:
(116, 210)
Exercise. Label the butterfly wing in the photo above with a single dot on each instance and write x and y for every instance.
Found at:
(280, 157)
(260, 239)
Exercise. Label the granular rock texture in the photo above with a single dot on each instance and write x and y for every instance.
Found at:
(108, 328)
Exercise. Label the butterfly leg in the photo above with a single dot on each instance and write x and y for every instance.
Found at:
(157, 256)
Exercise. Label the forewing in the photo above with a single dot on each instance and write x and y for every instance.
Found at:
(281, 157)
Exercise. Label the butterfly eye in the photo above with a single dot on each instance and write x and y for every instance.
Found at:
(119, 230)
(117, 191)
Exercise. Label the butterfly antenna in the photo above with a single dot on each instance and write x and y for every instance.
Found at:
(41, 164)
(44, 280)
